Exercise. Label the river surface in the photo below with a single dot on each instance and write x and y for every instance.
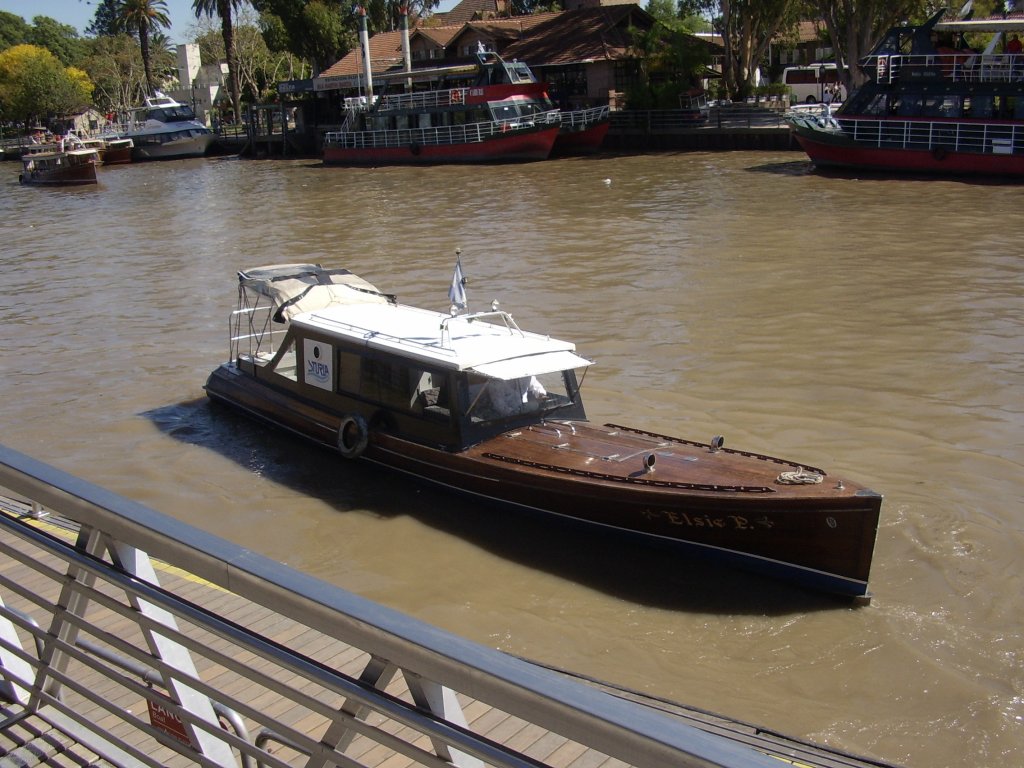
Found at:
(870, 326)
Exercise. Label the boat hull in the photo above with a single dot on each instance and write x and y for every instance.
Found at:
(837, 151)
(117, 155)
(820, 536)
(73, 175)
(158, 147)
(510, 146)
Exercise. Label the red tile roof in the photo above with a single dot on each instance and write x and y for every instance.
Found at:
(539, 39)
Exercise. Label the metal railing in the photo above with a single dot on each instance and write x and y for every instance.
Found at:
(951, 135)
(471, 133)
(338, 679)
(724, 116)
(959, 67)
(579, 118)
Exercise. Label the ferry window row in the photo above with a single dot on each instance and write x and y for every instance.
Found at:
(986, 106)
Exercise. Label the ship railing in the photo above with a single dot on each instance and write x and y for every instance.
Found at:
(471, 133)
(251, 332)
(937, 135)
(958, 67)
(579, 118)
(324, 677)
(423, 99)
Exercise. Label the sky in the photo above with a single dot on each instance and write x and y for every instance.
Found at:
(79, 13)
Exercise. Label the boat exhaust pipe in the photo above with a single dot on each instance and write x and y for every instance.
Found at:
(649, 460)
(716, 443)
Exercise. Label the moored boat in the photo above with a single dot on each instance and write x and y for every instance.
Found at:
(928, 108)
(164, 129)
(473, 403)
(111, 150)
(62, 165)
(500, 114)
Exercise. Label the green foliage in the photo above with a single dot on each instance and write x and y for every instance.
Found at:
(34, 85)
(672, 62)
(13, 30)
(313, 30)
(105, 20)
(115, 66)
(62, 40)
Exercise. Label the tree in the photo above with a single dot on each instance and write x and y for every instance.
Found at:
(671, 62)
(223, 10)
(62, 40)
(34, 84)
(141, 17)
(104, 21)
(13, 30)
(854, 27)
(115, 66)
(747, 28)
(259, 68)
(313, 30)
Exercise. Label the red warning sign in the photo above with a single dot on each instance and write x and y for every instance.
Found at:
(163, 719)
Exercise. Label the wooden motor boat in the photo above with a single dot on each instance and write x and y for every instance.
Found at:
(473, 403)
(60, 166)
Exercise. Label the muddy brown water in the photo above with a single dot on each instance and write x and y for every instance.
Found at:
(871, 325)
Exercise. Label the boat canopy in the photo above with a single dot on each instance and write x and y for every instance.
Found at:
(531, 365)
(299, 288)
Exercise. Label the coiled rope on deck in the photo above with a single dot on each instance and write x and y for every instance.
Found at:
(800, 477)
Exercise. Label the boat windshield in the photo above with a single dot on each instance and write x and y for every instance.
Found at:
(176, 114)
(515, 110)
(549, 394)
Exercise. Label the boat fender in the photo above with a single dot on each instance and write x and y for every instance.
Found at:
(352, 436)
(414, 148)
(939, 153)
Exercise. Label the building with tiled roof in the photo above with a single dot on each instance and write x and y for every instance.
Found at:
(583, 54)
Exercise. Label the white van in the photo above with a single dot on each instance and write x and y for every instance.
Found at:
(808, 84)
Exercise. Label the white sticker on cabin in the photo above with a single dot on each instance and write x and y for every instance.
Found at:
(319, 357)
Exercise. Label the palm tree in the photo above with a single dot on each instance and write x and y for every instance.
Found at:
(223, 9)
(142, 17)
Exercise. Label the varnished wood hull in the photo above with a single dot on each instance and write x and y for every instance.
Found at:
(724, 504)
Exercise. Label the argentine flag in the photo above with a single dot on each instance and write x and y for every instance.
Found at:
(457, 291)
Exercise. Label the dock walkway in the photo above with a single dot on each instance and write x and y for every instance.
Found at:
(128, 639)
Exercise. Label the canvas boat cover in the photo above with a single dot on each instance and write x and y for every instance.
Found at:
(298, 288)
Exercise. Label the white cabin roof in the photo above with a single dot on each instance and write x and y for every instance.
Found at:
(483, 343)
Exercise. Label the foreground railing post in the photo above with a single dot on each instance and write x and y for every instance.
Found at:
(14, 667)
(174, 655)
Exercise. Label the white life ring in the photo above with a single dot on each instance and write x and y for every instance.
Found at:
(352, 436)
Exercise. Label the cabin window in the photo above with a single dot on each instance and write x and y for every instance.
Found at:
(402, 387)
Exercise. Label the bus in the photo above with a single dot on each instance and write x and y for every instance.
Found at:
(808, 84)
